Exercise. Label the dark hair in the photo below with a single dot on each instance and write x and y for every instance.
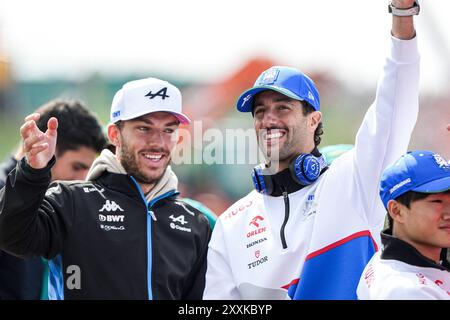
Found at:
(77, 126)
(307, 109)
(406, 199)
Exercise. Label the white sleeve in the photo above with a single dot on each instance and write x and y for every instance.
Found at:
(387, 126)
(409, 293)
(220, 284)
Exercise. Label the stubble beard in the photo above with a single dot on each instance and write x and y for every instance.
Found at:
(130, 164)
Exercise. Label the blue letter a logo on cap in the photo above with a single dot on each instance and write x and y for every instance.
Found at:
(161, 93)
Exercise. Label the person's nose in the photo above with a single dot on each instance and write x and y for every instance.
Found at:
(446, 208)
(269, 119)
(156, 139)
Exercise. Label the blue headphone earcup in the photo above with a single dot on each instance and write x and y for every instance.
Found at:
(262, 183)
(305, 169)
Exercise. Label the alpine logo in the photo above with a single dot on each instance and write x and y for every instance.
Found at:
(180, 219)
(255, 220)
(161, 93)
(110, 206)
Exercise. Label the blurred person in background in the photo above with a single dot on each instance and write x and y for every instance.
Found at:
(123, 233)
(308, 229)
(412, 264)
(80, 139)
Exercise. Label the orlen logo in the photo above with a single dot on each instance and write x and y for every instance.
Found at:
(111, 218)
(256, 222)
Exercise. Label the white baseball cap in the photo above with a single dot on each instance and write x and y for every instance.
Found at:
(140, 97)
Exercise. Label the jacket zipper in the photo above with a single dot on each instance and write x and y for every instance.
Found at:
(286, 218)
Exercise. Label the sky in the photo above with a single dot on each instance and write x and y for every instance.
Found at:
(206, 41)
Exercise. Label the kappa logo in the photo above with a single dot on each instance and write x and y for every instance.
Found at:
(110, 206)
(161, 93)
(255, 220)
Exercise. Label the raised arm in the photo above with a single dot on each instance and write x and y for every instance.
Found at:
(387, 126)
(33, 220)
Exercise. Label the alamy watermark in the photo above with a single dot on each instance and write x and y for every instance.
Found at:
(214, 146)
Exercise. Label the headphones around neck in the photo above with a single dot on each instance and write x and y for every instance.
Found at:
(305, 169)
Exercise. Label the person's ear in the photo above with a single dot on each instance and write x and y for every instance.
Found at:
(114, 134)
(315, 119)
(397, 211)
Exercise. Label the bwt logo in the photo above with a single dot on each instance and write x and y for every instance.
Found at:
(111, 218)
(255, 220)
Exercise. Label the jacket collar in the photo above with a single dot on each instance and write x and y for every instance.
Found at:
(397, 249)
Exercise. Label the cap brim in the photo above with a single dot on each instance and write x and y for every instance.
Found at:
(181, 117)
(435, 186)
(245, 101)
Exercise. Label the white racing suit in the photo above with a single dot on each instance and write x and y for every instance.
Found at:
(333, 225)
(400, 272)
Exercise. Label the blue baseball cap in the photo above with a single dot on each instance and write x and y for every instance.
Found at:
(288, 81)
(420, 171)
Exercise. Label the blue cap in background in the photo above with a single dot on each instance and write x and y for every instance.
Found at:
(419, 171)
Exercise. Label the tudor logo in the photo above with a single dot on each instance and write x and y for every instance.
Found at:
(257, 253)
(255, 220)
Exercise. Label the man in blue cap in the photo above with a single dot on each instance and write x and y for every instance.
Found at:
(308, 230)
(413, 262)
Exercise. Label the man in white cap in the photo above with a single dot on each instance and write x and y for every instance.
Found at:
(123, 233)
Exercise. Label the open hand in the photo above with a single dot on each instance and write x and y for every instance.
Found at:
(38, 147)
